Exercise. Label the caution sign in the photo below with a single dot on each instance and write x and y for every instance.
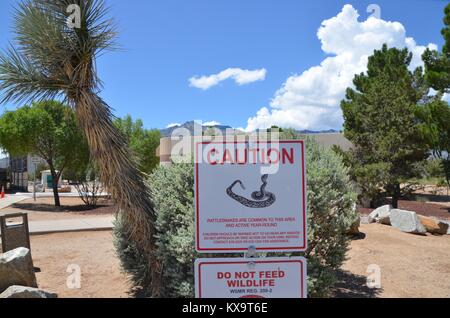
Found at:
(244, 278)
(250, 194)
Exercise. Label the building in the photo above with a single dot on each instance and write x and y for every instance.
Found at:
(167, 145)
(20, 169)
(19, 173)
(4, 163)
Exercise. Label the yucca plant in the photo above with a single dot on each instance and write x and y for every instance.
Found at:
(50, 59)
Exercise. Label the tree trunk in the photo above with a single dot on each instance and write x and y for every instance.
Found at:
(122, 178)
(396, 195)
(55, 179)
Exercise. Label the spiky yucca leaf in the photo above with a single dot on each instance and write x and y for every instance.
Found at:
(49, 59)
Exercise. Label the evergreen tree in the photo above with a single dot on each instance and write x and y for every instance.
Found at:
(380, 120)
(437, 65)
(436, 115)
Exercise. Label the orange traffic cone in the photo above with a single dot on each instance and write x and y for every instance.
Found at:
(3, 193)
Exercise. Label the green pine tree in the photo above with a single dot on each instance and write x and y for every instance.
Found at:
(380, 120)
(437, 65)
(436, 115)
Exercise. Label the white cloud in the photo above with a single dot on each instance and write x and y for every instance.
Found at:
(240, 76)
(446, 97)
(311, 100)
(211, 123)
(173, 125)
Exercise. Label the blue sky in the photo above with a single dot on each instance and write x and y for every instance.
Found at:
(167, 42)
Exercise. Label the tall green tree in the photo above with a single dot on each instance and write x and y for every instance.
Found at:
(437, 64)
(435, 126)
(50, 58)
(436, 115)
(380, 120)
(143, 142)
(47, 129)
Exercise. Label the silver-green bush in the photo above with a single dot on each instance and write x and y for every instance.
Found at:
(330, 214)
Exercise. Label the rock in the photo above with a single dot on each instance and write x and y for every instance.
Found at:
(444, 228)
(26, 292)
(384, 217)
(354, 228)
(446, 222)
(373, 217)
(16, 268)
(448, 229)
(434, 226)
(407, 221)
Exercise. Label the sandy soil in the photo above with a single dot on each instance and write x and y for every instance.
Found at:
(411, 265)
(93, 252)
(71, 207)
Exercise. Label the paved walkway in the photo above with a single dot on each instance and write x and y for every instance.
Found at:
(71, 225)
(11, 199)
(49, 193)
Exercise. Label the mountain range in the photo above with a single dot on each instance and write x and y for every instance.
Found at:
(191, 125)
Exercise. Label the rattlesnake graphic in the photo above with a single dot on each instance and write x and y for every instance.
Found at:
(261, 199)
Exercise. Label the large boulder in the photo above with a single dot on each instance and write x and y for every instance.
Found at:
(407, 221)
(382, 211)
(26, 292)
(16, 268)
(434, 226)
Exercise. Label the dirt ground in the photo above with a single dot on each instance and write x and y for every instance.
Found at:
(71, 207)
(411, 265)
(93, 252)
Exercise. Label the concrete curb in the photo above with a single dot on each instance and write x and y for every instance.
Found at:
(70, 225)
(38, 233)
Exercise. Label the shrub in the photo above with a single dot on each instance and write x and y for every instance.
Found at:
(331, 212)
(172, 191)
(434, 168)
(88, 185)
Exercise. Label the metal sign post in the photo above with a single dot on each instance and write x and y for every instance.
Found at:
(35, 161)
(34, 183)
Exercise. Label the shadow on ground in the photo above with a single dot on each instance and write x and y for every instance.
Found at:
(99, 209)
(353, 286)
(359, 236)
(432, 197)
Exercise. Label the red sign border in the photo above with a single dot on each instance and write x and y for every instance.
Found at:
(301, 261)
(267, 249)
